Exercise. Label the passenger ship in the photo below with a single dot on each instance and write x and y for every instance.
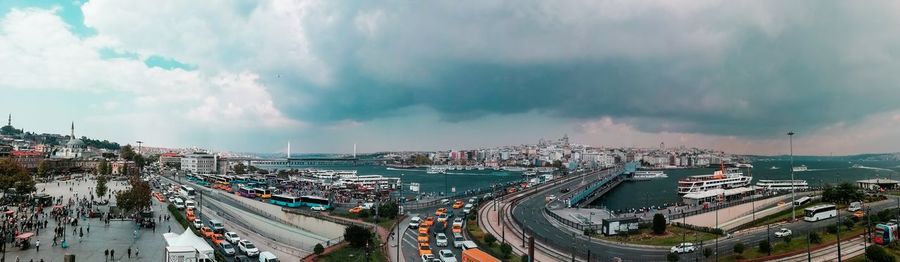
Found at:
(782, 184)
(725, 178)
(648, 174)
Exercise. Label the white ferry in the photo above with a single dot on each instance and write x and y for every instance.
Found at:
(647, 175)
(782, 184)
(801, 168)
(724, 179)
(436, 170)
(514, 168)
(529, 173)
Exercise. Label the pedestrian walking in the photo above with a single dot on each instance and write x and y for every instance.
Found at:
(37, 246)
(112, 254)
(137, 252)
(129, 252)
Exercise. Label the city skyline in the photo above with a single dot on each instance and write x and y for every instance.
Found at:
(249, 77)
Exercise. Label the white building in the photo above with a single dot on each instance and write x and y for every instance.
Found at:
(199, 163)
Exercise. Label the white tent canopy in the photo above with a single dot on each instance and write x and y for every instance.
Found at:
(189, 239)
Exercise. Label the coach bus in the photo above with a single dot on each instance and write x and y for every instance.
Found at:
(246, 192)
(263, 193)
(187, 192)
(820, 212)
(314, 201)
(802, 200)
(286, 201)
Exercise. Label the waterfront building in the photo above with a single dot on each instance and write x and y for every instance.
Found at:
(199, 163)
(878, 183)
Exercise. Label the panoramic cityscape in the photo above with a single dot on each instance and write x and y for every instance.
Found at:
(442, 131)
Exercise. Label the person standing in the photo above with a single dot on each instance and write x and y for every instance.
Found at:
(37, 245)
(129, 252)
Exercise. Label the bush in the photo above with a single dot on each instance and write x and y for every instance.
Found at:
(318, 249)
(506, 249)
(831, 229)
(525, 258)
(764, 246)
(357, 236)
(849, 224)
(589, 231)
(739, 248)
(707, 252)
(787, 239)
(489, 239)
(815, 238)
(659, 224)
(672, 257)
(877, 254)
(389, 210)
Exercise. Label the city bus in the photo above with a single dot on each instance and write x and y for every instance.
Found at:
(314, 201)
(286, 201)
(246, 192)
(263, 193)
(187, 192)
(801, 201)
(239, 179)
(820, 212)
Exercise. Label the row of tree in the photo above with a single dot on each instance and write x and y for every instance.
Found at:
(13, 175)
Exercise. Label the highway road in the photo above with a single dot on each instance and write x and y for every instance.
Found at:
(530, 213)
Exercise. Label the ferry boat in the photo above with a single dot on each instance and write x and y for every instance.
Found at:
(801, 168)
(436, 170)
(782, 184)
(743, 165)
(647, 175)
(514, 168)
(774, 168)
(529, 173)
(724, 179)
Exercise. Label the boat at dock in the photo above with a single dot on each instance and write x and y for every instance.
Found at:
(801, 168)
(648, 174)
(434, 170)
(725, 178)
(782, 184)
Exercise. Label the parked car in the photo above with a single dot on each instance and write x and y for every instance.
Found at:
(683, 248)
(248, 248)
(227, 248)
(414, 222)
(783, 232)
(446, 256)
(232, 237)
(441, 240)
(267, 257)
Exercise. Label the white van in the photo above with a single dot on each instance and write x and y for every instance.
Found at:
(179, 204)
(855, 206)
(267, 257)
(190, 204)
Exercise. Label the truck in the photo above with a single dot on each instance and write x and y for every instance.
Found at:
(180, 254)
(476, 255)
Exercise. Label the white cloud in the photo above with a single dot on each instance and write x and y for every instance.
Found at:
(39, 52)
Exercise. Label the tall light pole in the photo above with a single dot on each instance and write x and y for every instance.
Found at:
(793, 206)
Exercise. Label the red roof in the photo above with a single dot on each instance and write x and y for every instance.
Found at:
(26, 153)
(170, 154)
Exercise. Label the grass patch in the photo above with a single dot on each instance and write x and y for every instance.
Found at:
(673, 236)
(798, 242)
(477, 235)
(382, 222)
(348, 253)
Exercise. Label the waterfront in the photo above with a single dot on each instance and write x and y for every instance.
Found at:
(635, 194)
(461, 179)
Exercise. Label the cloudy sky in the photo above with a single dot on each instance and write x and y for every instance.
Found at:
(248, 75)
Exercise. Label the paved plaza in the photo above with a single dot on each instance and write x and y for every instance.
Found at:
(117, 236)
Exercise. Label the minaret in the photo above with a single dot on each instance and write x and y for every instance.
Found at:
(73, 129)
(289, 149)
(9, 120)
(354, 150)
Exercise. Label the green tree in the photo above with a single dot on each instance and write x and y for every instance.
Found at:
(786, 239)
(43, 168)
(707, 252)
(831, 229)
(422, 160)
(101, 186)
(525, 258)
(10, 172)
(136, 198)
(878, 254)
(127, 152)
(764, 246)
(389, 210)
(139, 161)
(673, 257)
(318, 249)
(505, 249)
(739, 248)
(357, 236)
(489, 239)
(240, 169)
(659, 224)
(815, 238)
(24, 183)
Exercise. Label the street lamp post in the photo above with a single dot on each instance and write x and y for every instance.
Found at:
(793, 207)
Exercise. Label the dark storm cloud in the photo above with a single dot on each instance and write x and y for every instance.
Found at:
(733, 68)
